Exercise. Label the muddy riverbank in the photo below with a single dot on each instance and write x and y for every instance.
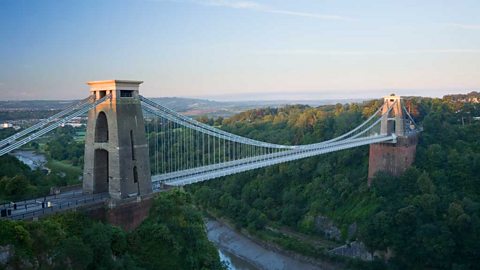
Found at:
(31, 159)
(249, 254)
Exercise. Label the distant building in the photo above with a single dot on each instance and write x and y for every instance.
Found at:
(472, 97)
(6, 125)
(9, 125)
(75, 122)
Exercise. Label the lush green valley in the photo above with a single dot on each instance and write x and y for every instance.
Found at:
(427, 218)
(64, 155)
(172, 237)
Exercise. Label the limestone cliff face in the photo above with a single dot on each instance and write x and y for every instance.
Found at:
(325, 226)
(6, 253)
(354, 249)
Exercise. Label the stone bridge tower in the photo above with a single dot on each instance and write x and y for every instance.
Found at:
(116, 150)
(393, 158)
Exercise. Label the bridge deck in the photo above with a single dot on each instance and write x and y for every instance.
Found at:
(38, 207)
(214, 171)
(29, 209)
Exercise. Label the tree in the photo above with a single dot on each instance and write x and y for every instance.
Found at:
(73, 254)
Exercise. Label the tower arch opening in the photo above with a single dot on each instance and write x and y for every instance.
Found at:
(100, 170)
(101, 128)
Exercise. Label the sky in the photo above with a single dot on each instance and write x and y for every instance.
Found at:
(240, 50)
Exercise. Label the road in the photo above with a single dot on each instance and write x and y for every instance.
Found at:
(51, 204)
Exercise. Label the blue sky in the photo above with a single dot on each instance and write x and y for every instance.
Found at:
(240, 49)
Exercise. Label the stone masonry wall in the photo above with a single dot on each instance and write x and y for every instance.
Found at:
(392, 158)
(127, 215)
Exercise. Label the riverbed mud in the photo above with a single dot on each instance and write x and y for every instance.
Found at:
(244, 248)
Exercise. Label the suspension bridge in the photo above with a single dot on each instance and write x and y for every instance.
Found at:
(135, 147)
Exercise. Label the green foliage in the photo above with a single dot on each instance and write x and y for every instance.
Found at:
(429, 217)
(172, 237)
(63, 146)
(73, 253)
(6, 132)
(292, 194)
(18, 181)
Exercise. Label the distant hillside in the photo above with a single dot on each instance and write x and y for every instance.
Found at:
(187, 106)
(34, 105)
(193, 107)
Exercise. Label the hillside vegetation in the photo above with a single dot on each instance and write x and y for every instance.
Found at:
(426, 218)
(429, 217)
(65, 156)
(172, 237)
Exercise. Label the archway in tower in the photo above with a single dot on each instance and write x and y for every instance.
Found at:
(100, 171)
(101, 128)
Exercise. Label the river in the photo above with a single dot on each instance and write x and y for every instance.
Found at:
(233, 262)
(241, 253)
(31, 159)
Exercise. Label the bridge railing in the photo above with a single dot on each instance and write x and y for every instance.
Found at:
(55, 207)
(274, 159)
(70, 194)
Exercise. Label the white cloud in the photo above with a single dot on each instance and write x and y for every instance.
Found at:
(310, 15)
(327, 52)
(255, 6)
(465, 26)
(230, 4)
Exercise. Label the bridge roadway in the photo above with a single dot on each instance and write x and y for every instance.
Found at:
(76, 198)
(51, 204)
(204, 173)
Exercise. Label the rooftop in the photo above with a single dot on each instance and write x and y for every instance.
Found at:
(115, 82)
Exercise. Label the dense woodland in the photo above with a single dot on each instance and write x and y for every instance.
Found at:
(63, 146)
(426, 218)
(172, 237)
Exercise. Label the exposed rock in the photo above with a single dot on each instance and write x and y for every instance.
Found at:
(352, 230)
(6, 252)
(384, 254)
(9, 262)
(326, 226)
(353, 250)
